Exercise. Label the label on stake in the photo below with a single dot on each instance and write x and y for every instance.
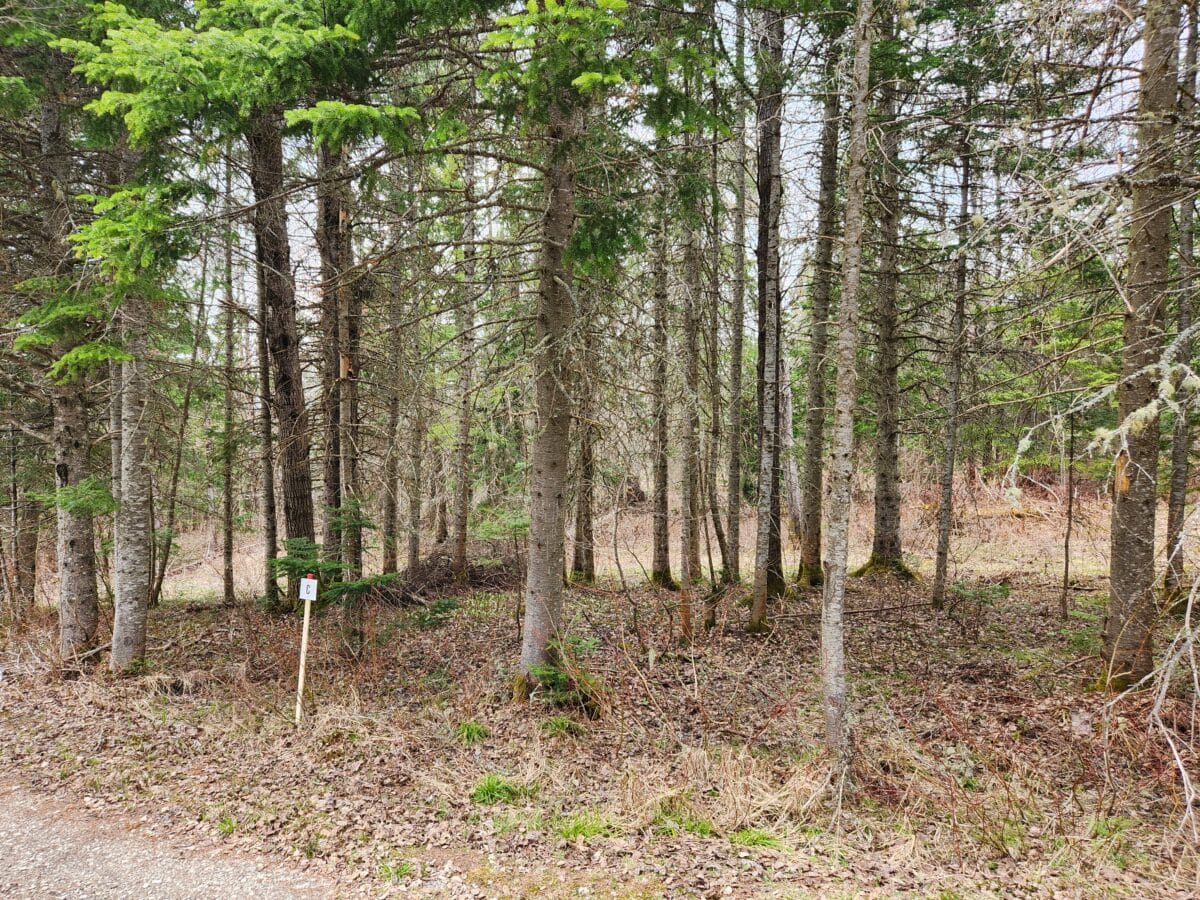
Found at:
(308, 588)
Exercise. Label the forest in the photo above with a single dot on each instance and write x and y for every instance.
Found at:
(634, 448)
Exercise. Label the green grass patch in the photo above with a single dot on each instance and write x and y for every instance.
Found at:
(755, 837)
(493, 789)
(394, 871)
(471, 733)
(584, 825)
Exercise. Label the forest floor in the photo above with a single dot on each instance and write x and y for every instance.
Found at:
(985, 766)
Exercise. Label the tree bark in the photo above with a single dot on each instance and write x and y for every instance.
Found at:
(958, 336)
(841, 468)
(330, 206)
(887, 552)
(787, 448)
(689, 469)
(78, 604)
(551, 440)
(461, 476)
(267, 462)
(25, 552)
(1181, 435)
(228, 594)
(132, 567)
(277, 290)
(1128, 628)
(815, 409)
(768, 575)
(733, 487)
(660, 566)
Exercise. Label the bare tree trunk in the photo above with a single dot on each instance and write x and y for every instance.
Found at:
(958, 336)
(1181, 436)
(391, 459)
(689, 470)
(886, 548)
(733, 487)
(25, 551)
(78, 605)
(267, 473)
(466, 344)
(133, 562)
(841, 468)
(583, 557)
(768, 576)
(416, 460)
(330, 206)
(114, 442)
(1128, 629)
(277, 290)
(660, 566)
(229, 597)
(815, 410)
(551, 441)
(787, 449)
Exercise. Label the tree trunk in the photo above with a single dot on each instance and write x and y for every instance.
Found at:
(461, 477)
(78, 606)
(958, 336)
(841, 468)
(660, 566)
(330, 205)
(391, 459)
(551, 440)
(25, 552)
(815, 410)
(229, 597)
(583, 560)
(267, 470)
(689, 469)
(886, 548)
(416, 460)
(133, 561)
(1128, 628)
(787, 448)
(733, 487)
(1181, 436)
(768, 575)
(273, 254)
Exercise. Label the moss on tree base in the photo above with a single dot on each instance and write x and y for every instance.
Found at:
(879, 566)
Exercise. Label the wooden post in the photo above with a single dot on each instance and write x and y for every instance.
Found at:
(308, 590)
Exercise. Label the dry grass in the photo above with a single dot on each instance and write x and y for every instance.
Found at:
(984, 768)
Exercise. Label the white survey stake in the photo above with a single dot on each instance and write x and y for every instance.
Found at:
(308, 593)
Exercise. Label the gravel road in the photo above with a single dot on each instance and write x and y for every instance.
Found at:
(48, 849)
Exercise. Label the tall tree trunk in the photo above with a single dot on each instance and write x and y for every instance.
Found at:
(841, 468)
(660, 566)
(768, 575)
(787, 449)
(1128, 628)
(583, 550)
(266, 427)
(461, 476)
(1181, 436)
(330, 205)
(229, 597)
(273, 254)
(886, 549)
(133, 561)
(733, 487)
(551, 440)
(689, 469)
(78, 605)
(25, 552)
(416, 461)
(958, 337)
(391, 459)
(815, 410)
